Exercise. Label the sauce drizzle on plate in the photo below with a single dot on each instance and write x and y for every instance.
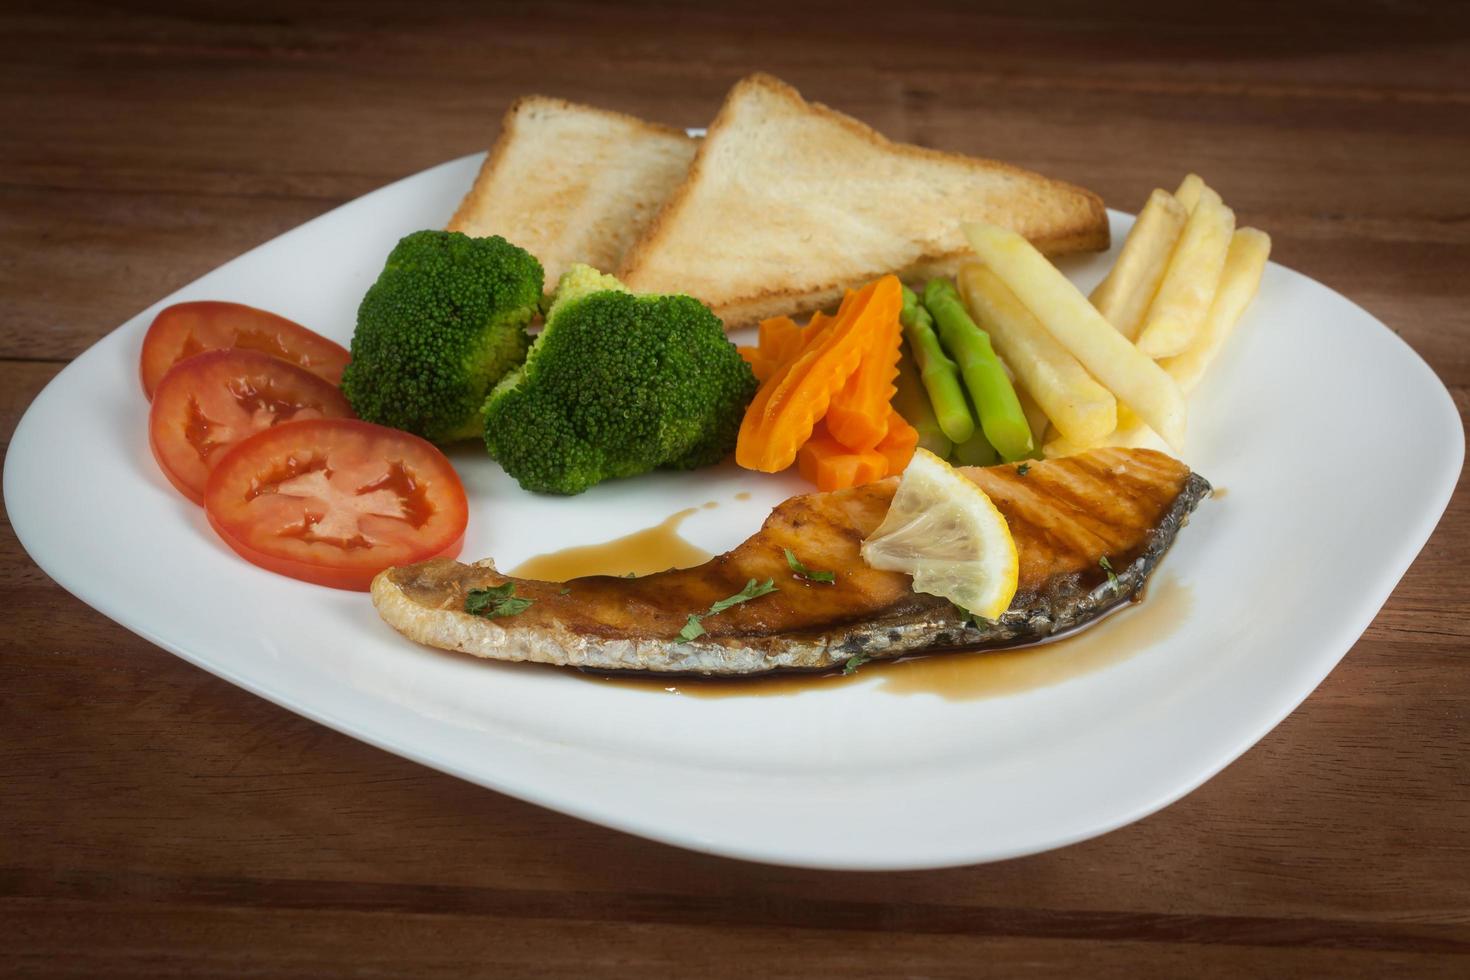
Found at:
(653, 549)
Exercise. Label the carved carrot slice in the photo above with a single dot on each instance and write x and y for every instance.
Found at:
(899, 444)
(780, 339)
(832, 466)
(858, 416)
(789, 403)
(759, 361)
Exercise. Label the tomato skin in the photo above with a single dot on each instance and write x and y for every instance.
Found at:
(207, 403)
(346, 579)
(185, 329)
(257, 500)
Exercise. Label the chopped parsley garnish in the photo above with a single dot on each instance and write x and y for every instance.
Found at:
(853, 663)
(694, 628)
(1107, 566)
(564, 592)
(752, 590)
(494, 602)
(810, 574)
(1023, 469)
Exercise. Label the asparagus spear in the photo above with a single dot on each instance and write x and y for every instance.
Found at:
(912, 402)
(976, 451)
(995, 400)
(940, 376)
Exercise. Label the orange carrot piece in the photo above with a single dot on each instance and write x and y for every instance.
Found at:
(789, 403)
(760, 364)
(778, 345)
(780, 338)
(819, 319)
(806, 337)
(830, 465)
(899, 444)
(751, 442)
(858, 415)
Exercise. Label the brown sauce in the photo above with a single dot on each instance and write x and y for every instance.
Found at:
(743, 495)
(654, 549)
(968, 676)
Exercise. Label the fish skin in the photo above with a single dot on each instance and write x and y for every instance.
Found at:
(1065, 515)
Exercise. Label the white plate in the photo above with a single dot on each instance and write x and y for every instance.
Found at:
(1337, 446)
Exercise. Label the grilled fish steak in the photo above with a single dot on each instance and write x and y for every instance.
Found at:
(1066, 515)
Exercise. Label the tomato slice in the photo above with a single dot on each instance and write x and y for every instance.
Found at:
(209, 402)
(336, 501)
(186, 329)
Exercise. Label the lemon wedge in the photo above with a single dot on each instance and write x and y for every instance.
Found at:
(945, 532)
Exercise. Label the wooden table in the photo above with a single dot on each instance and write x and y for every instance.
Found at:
(156, 821)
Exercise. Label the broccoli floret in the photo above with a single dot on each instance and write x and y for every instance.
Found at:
(444, 322)
(616, 385)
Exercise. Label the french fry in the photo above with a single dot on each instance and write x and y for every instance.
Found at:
(1244, 264)
(1235, 287)
(1124, 296)
(1067, 315)
(1075, 403)
(1183, 301)
(1188, 192)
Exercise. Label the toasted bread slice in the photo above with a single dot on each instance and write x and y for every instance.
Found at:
(570, 183)
(789, 203)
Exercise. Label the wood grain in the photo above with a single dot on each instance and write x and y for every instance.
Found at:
(156, 821)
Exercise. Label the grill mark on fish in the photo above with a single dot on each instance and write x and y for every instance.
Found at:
(1065, 515)
(1141, 479)
(1084, 483)
(1049, 514)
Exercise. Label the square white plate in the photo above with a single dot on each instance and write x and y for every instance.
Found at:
(1337, 445)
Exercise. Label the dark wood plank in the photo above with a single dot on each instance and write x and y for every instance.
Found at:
(79, 263)
(161, 940)
(20, 383)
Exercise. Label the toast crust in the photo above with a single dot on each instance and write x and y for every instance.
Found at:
(1084, 229)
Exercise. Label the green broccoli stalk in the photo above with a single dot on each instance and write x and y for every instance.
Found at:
(617, 385)
(444, 322)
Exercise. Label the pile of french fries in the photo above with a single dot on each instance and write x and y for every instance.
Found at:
(1113, 369)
